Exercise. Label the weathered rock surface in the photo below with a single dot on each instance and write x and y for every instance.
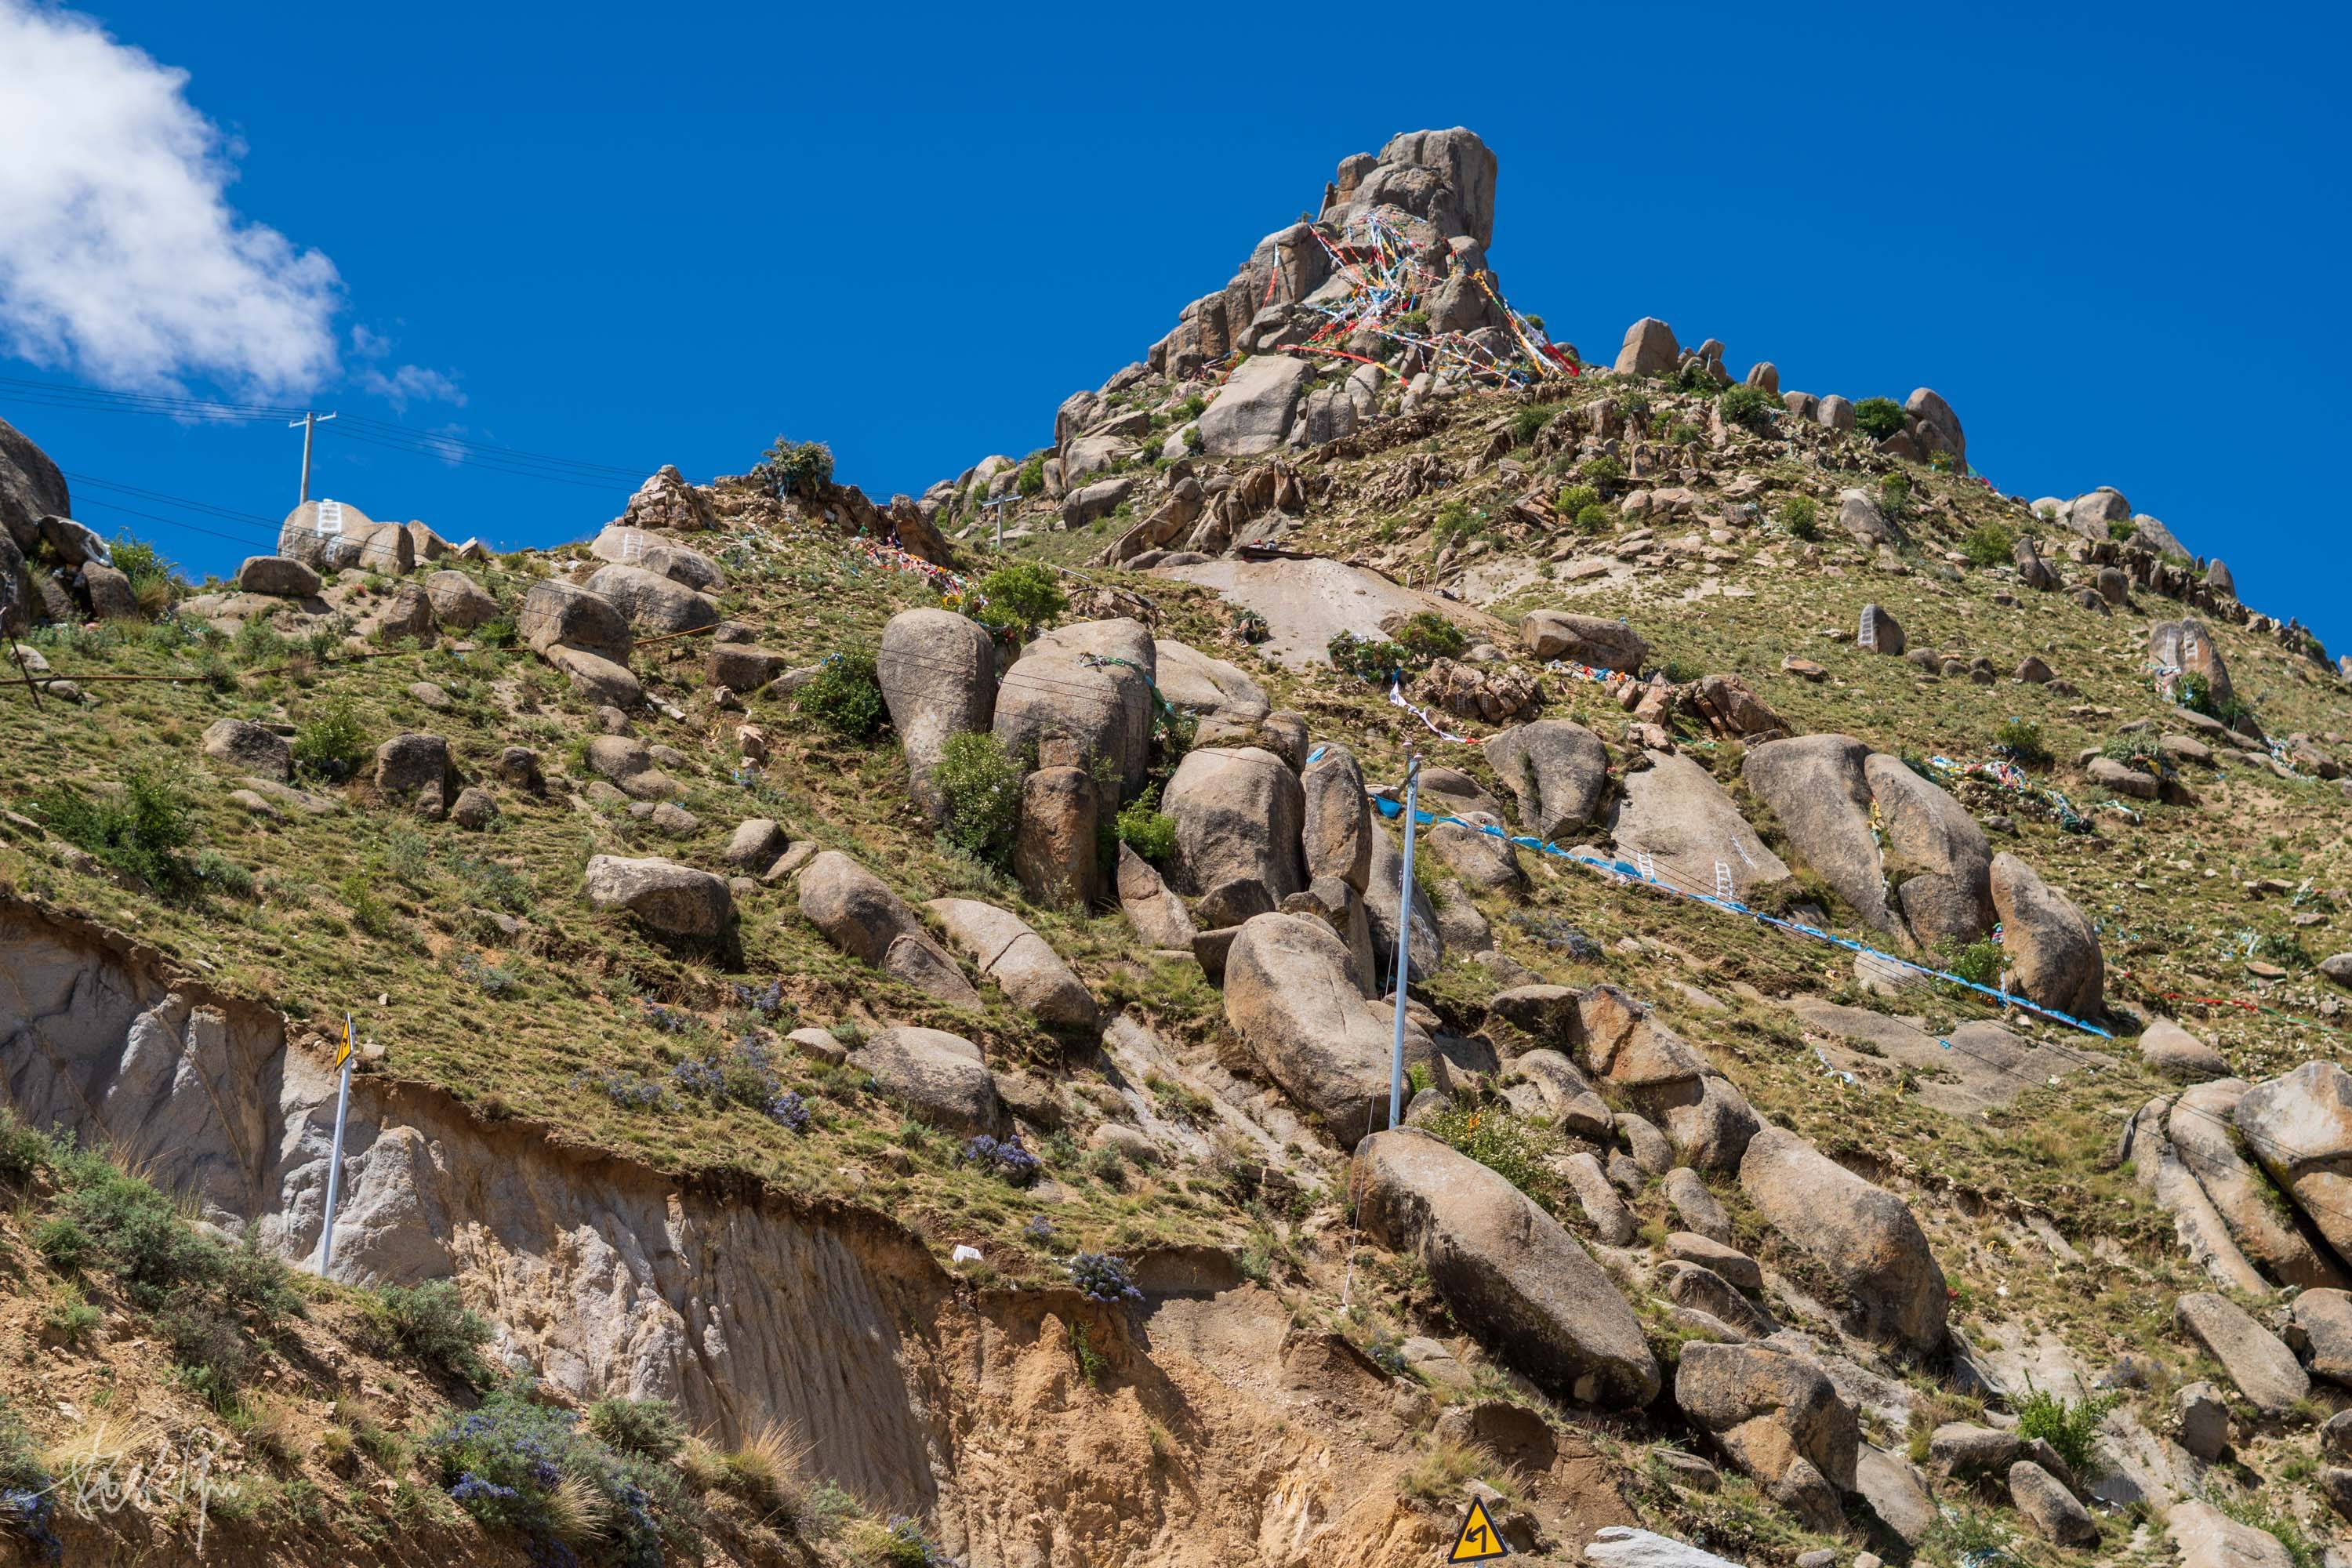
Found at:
(1004, 948)
(1294, 998)
(1239, 815)
(1942, 856)
(1780, 1419)
(1864, 1236)
(1675, 810)
(1583, 639)
(678, 901)
(1816, 788)
(1505, 1269)
(942, 1078)
(653, 604)
(1251, 414)
(2049, 1507)
(938, 671)
(1081, 692)
(1158, 914)
(859, 914)
(2299, 1125)
(249, 748)
(1558, 770)
(557, 611)
(2264, 1369)
(1337, 832)
(2049, 941)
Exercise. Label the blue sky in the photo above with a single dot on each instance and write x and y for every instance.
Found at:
(633, 236)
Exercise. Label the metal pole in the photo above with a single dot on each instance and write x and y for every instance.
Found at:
(335, 1165)
(1404, 938)
(309, 423)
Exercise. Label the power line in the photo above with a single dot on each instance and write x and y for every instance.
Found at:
(491, 465)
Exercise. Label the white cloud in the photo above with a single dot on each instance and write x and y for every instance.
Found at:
(410, 384)
(120, 258)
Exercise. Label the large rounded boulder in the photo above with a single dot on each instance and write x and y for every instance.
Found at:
(2049, 943)
(653, 605)
(1083, 692)
(938, 671)
(1240, 813)
(1864, 1236)
(675, 899)
(1505, 1269)
(2299, 1125)
(859, 914)
(1559, 771)
(1941, 854)
(1293, 996)
(1816, 787)
(942, 1077)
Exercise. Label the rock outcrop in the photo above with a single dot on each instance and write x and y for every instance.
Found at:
(1505, 1268)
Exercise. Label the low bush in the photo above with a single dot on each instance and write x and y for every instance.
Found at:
(140, 830)
(1751, 407)
(794, 468)
(1426, 635)
(1369, 659)
(431, 1325)
(845, 696)
(1149, 832)
(2021, 740)
(1031, 478)
(1593, 517)
(645, 1427)
(1602, 470)
(331, 744)
(1573, 499)
(1801, 516)
(1022, 598)
(1456, 523)
(2069, 1425)
(1529, 422)
(519, 1465)
(1103, 1276)
(980, 783)
(1894, 492)
(1512, 1147)
(1878, 418)
(1990, 544)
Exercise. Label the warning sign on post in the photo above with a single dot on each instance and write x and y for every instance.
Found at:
(1478, 1541)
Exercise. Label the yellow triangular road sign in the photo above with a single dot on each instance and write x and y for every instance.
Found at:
(344, 1054)
(1479, 1538)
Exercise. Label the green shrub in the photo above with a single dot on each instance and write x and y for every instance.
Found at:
(1517, 1150)
(2021, 739)
(331, 744)
(845, 696)
(431, 1325)
(1149, 832)
(1751, 407)
(63, 1244)
(154, 582)
(645, 1427)
(516, 1464)
(2069, 1425)
(1894, 492)
(1456, 523)
(1977, 961)
(140, 830)
(1573, 499)
(138, 1233)
(1990, 544)
(2121, 530)
(1878, 418)
(980, 783)
(22, 1150)
(1593, 519)
(1370, 659)
(1427, 636)
(1801, 516)
(1602, 470)
(1685, 432)
(1031, 478)
(1529, 422)
(1023, 597)
(794, 468)
(259, 642)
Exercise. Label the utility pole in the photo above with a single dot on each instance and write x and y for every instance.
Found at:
(309, 423)
(335, 1161)
(1404, 939)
